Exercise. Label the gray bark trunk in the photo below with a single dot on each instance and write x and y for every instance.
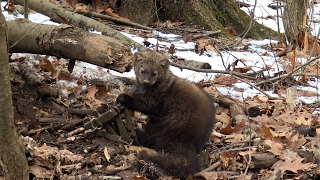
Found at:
(12, 156)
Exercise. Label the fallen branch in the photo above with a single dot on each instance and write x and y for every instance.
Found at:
(207, 33)
(244, 75)
(237, 108)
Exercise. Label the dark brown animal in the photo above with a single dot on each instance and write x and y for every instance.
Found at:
(181, 116)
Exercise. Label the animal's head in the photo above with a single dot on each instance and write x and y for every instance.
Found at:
(150, 66)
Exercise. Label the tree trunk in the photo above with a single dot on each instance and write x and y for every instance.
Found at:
(211, 14)
(293, 19)
(69, 42)
(12, 155)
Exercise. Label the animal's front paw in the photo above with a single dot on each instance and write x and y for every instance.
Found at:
(123, 99)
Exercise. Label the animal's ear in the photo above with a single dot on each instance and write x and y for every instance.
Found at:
(164, 63)
(137, 57)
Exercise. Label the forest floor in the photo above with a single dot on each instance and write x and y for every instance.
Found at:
(282, 142)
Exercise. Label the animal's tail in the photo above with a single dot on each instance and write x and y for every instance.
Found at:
(179, 164)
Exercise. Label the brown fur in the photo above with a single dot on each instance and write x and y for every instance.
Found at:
(181, 115)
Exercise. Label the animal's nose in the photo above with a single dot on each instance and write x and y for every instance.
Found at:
(146, 81)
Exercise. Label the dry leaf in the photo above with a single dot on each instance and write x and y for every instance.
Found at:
(229, 129)
(301, 120)
(188, 38)
(111, 13)
(228, 159)
(64, 76)
(276, 147)
(260, 99)
(95, 158)
(264, 119)
(171, 49)
(81, 8)
(47, 65)
(223, 117)
(296, 141)
(292, 165)
(265, 132)
(91, 92)
(243, 70)
(231, 31)
(67, 157)
(225, 80)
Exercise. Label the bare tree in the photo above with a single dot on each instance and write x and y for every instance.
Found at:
(12, 157)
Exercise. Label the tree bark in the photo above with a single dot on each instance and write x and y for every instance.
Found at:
(213, 15)
(293, 19)
(70, 43)
(12, 156)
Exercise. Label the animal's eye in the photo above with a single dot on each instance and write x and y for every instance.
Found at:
(155, 74)
(142, 72)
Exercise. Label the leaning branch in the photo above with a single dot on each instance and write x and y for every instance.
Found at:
(55, 12)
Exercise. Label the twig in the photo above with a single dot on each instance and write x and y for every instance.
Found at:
(26, 11)
(250, 149)
(253, 86)
(250, 24)
(156, 10)
(240, 149)
(213, 166)
(278, 24)
(76, 131)
(258, 89)
(290, 74)
(315, 43)
(207, 33)
(296, 69)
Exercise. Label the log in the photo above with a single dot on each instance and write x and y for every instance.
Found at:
(70, 43)
(239, 110)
